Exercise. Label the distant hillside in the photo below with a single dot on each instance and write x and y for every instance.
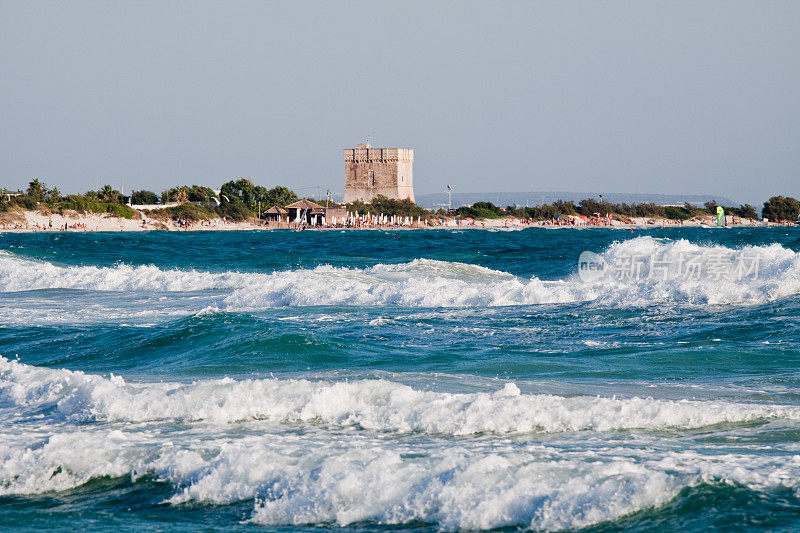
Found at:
(522, 199)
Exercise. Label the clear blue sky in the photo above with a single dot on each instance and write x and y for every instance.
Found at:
(661, 97)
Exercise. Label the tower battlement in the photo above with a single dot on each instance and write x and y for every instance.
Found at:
(372, 172)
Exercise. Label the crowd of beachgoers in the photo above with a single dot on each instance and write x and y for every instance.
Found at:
(34, 221)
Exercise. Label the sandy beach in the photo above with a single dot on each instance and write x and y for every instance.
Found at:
(33, 221)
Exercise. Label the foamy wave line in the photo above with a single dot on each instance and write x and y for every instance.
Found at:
(296, 480)
(543, 490)
(430, 283)
(17, 274)
(378, 405)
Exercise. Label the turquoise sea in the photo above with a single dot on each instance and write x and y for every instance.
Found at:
(383, 380)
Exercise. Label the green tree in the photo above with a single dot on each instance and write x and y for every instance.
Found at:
(589, 206)
(108, 194)
(243, 192)
(238, 191)
(36, 190)
(648, 210)
(389, 206)
(54, 195)
(144, 197)
(747, 211)
(279, 195)
(480, 210)
(564, 208)
(780, 208)
(186, 193)
(198, 193)
(677, 213)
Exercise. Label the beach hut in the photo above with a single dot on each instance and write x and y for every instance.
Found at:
(305, 211)
(276, 214)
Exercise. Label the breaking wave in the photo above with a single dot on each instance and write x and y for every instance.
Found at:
(300, 481)
(677, 271)
(320, 474)
(374, 404)
(18, 274)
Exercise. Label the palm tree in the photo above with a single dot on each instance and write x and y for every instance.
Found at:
(36, 190)
(108, 194)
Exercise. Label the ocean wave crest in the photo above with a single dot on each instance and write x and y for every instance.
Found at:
(373, 404)
(292, 451)
(454, 487)
(18, 274)
(643, 271)
(309, 478)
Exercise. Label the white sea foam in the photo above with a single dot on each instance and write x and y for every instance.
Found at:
(538, 487)
(430, 283)
(307, 480)
(18, 274)
(291, 447)
(318, 478)
(462, 488)
(378, 405)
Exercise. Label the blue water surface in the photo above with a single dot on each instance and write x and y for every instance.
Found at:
(658, 411)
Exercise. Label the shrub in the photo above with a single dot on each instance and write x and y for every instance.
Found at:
(747, 211)
(781, 208)
(238, 194)
(389, 206)
(743, 211)
(144, 198)
(119, 210)
(192, 212)
(186, 193)
(480, 210)
(234, 211)
(187, 211)
(677, 213)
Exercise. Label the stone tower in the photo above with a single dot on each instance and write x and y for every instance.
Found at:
(372, 172)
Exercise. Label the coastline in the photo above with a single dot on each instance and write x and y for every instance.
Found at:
(34, 221)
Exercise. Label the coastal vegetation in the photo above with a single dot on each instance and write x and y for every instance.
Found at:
(39, 197)
(144, 198)
(590, 207)
(780, 208)
(186, 211)
(480, 210)
(390, 207)
(187, 193)
(240, 200)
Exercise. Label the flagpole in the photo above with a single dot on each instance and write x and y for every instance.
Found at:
(449, 198)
